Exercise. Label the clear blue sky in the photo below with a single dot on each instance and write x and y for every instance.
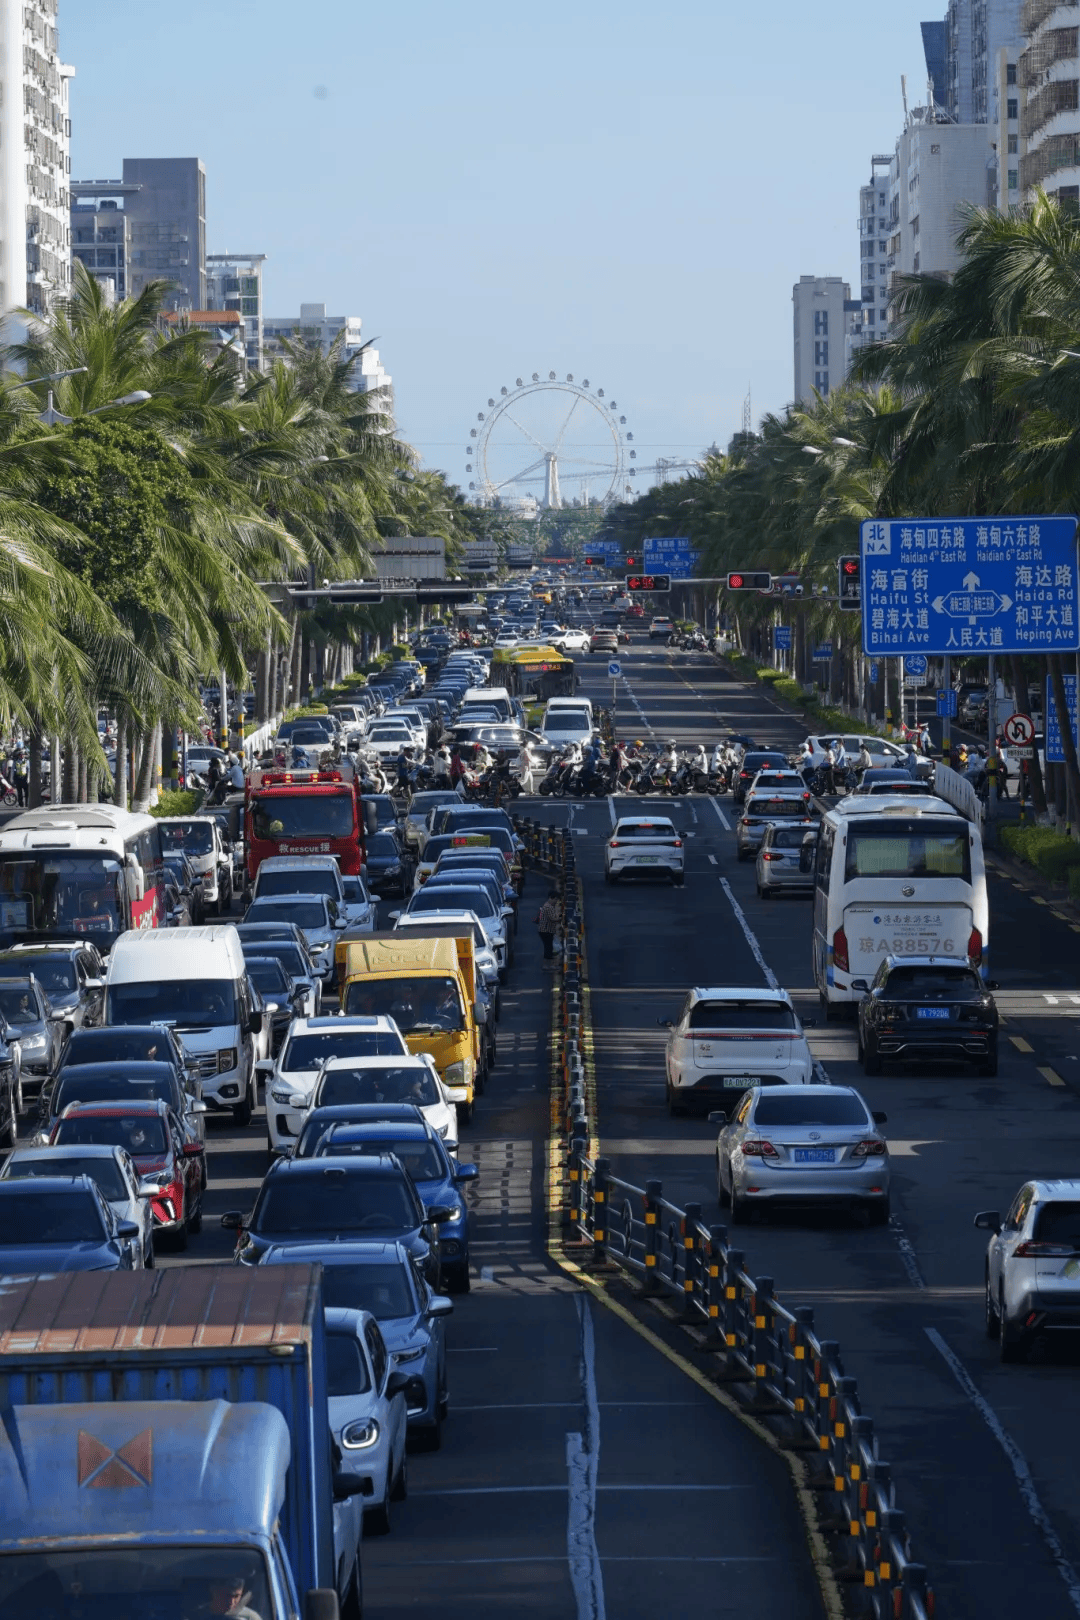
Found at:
(623, 191)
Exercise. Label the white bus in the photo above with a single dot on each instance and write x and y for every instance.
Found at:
(68, 870)
(895, 876)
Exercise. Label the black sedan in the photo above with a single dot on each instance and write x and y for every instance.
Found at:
(926, 1006)
(390, 866)
(63, 1223)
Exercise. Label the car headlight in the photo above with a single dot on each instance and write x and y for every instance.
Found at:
(459, 1074)
(31, 1043)
(359, 1436)
(282, 1094)
(403, 1356)
(443, 1131)
(458, 1215)
(226, 1059)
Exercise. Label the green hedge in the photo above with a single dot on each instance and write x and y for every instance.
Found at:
(1054, 854)
(178, 802)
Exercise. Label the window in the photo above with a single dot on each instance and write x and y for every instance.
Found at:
(1014, 179)
(915, 226)
(1012, 109)
(882, 247)
(868, 272)
(868, 317)
(1010, 73)
(377, 1352)
(821, 323)
(821, 382)
(821, 353)
(1014, 144)
(881, 199)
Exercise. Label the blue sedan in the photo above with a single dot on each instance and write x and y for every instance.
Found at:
(63, 1223)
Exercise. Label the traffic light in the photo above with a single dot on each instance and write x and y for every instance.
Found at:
(633, 562)
(849, 591)
(749, 582)
(648, 582)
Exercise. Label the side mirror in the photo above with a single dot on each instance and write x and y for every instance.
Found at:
(394, 915)
(94, 984)
(321, 1602)
(198, 1108)
(665, 1023)
(265, 1067)
(988, 1220)
(466, 1172)
(993, 984)
(440, 1305)
(127, 1229)
(456, 1094)
(297, 1001)
(148, 1189)
(718, 1117)
(860, 984)
(878, 1117)
(438, 1213)
(347, 1485)
(479, 1013)
(397, 1384)
(233, 1220)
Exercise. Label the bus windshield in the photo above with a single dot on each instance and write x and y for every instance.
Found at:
(60, 894)
(302, 815)
(904, 849)
(196, 837)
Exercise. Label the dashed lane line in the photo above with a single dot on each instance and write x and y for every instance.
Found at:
(1020, 1043)
(724, 822)
(1051, 1076)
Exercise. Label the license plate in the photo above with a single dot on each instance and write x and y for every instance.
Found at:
(815, 1155)
(739, 1082)
(932, 1012)
(644, 860)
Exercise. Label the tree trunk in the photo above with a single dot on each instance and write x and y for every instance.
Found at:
(140, 796)
(71, 767)
(120, 773)
(294, 695)
(36, 742)
(1068, 741)
(262, 687)
(82, 781)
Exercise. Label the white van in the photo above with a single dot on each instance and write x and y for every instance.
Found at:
(901, 876)
(195, 980)
(557, 705)
(490, 697)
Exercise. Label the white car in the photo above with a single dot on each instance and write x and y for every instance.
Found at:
(1032, 1268)
(386, 738)
(730, 1038)
(415, 722)
(111, 1167)
(368, 1417)
(417, 819)
(413, 1079)
(644, 846)
(505, 641)
(357, 908)
(882, 752)
(309, 1045)
(571, 640)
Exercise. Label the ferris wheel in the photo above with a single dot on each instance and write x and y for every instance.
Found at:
(550, 442)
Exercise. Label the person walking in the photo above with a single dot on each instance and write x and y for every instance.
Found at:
(547, 921)
(20, 771)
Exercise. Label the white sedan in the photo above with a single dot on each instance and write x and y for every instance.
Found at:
(644, 846)
(571, 640)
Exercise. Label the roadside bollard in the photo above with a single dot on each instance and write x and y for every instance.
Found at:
(600, 1198)
(651, 1207)
(579, 1140)
(880, 1570)
(734, 1309)
(691, 1258)
(713, 1285)
(764, 1319)
(915, 1588)
(800, 1332)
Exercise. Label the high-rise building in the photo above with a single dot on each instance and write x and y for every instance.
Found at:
(936, 52)
(869, 322)
(821, 308)
(314, 326)
(101, 232)
(35, 137)
(166, 207)
(234, 281)
(1048, 81)
(975, 32)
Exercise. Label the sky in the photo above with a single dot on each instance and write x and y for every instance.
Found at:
(619, 191)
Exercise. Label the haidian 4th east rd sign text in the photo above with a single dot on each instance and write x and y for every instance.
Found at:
(974, 585)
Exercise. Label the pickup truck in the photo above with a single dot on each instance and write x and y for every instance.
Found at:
(165, 1442)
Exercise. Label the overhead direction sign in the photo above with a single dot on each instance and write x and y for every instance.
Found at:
(672, 554)
(952, 585)
(781, 637)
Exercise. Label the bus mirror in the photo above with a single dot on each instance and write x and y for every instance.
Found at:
(136, 888)
(371, 817)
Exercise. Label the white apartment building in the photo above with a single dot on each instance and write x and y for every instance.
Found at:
(315, 326)
(35, 139)
(1048, 75)
(822, 305)
(234, 281)
(869, 322)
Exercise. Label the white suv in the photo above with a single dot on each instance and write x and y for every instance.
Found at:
(1032, 1270)
(644, 846)
(726, 1040)
(309, 1045)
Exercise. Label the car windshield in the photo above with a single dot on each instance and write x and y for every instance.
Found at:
(117, 1046)
(644, 829)
(18, 1006)
(336, 1201)
(56, 973)
(151, 1581)
(142, 1134)
(777, 809)
(312, 1049)
(412, 1084)
(346, 1365)
(417, 1005)
(383, 1289)
(933, 983)
(322, 813)
(46, 893)
(791, 837)
(420, 1159)
(1058, 1221)
(383, 847)
(106, 1172)
(355, 893)
(287, 952)
(309, 880)
(788, 1106)
(191, 1002)
(741, 1015)
(194, 837)
(452, 897)
(752, 763)
(63, 1217)
(268, 976)
(567, 720)
(76, 1085)
(899, 849)
(304, 913)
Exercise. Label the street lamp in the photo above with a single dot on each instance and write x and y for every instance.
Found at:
(50, 415)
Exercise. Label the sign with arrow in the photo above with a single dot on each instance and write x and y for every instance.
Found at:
(970, 585)
(1019, 730)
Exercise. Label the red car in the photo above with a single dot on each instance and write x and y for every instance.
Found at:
(154, 1136)
(635, 611)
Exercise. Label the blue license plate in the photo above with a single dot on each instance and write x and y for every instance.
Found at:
(815, 1155)
(932, 1012)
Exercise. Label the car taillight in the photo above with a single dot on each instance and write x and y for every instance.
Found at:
(975, 945)
(678, 843)
(767, 855)
(743, 775)
(613, 843)
(760, 1150)
(746, 822)
(872, 1148)
(839, 950)
(1033, 1250)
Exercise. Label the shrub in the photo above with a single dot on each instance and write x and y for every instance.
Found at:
(178, 802)
(1054, 854)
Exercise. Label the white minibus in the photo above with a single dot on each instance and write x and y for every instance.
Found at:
(899, 876)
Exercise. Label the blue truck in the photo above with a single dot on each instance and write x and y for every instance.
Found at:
(165, 1448)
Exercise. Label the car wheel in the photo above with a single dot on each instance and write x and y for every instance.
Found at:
(243, 1111)
(459, 1280)
(400, 1489)
(989, 1065)
(607, 874)
(859, 1044)
(723, 1197)
(377, 1519)
(880, 1210)
(195, 1224)
(1010, 1347)
(465, 1113)
(181, 1236)
(990, 1313)
(871, 1058)
(429, 1438)
(673, 1106)
(739, 1213)
(20, 1101)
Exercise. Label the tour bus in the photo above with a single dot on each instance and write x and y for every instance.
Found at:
(895, 876)
(80, 869)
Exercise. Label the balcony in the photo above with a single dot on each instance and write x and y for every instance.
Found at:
(1059, 152)
(1056, 45)
(1060, 95)
(1035, 12)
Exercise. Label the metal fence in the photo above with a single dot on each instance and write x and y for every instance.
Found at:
(771, 1359)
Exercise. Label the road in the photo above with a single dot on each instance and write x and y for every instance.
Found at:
(905, 1303)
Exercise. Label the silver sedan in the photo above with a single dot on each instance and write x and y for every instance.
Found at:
(785, 858)
(762, 808)
(804, 1144)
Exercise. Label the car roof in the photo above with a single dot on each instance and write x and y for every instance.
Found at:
(115, 1110)
(399, 1111)
(1060, 1187)
(347, 1251)
(296, 863)
(125, 1069)
(942, 960)
(368, 1130)
(403, 1060)
(740, 992)
(368, 1164)
(65, 1150)
(27, 948)
(45, 1186)
(811, 1091)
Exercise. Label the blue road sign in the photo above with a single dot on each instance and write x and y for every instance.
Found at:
(781, 636)
(1055, 752)
(873, 674)
(915, 664)
(952, 585)
(823, 652)
(671, 554)
(946, 703)
(614, 669)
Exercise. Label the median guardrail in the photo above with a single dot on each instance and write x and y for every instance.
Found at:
(771, 1359)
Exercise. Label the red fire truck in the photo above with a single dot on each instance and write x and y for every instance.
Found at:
(316, 812)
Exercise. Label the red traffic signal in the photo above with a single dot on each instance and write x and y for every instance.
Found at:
(648, 582)
(849, 572)
(749, 582)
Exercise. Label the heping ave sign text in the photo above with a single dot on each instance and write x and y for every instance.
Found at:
(951, 585)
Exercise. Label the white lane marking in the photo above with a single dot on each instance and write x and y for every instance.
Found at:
(487, 1274)
(907, 1253)
(611, 808)
(713, 860)
(1017, 1462)
(724, 822)
(1050, 1000)
(1075, 1000)
(751, 939)
(582, 1467)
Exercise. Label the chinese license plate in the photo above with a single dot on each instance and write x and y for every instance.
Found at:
(645, 860)
(932, 1012)
(739, 1082)
(815, 1155)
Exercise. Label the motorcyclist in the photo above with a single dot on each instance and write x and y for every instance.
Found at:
(837, 763)
(441, 767)
(524, 765)
(806, 761)
(699, 761)
(457, 767)
(235, 774)
(669, 759)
